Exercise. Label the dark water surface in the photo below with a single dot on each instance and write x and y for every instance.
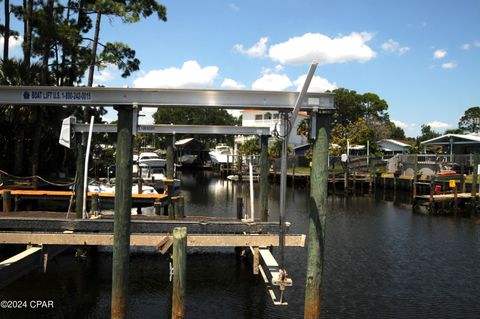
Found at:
(381, 261)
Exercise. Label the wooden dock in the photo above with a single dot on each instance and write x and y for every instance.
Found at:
(443, 204)
(17, 196)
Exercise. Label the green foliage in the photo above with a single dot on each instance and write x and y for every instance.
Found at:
(454, 131)
(427, 133)
(469, 122)
(197, 116)
(303, 127)
(121, 55)
(58, 51)
(358, 133)
(250, 147)
(275, 150)
(350, 106)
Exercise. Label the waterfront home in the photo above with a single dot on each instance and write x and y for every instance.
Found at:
(455, 143)
(392, 147)
(271, 119)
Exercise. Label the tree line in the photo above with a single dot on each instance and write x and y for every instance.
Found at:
(60, 47)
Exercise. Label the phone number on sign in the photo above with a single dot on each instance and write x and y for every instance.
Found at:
(24, 304)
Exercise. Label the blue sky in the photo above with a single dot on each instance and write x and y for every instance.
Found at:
(422, 57)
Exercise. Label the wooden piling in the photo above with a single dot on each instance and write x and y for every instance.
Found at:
(455, 199)
(179, 272)
(170, 210)
(170, 157)
(239, 208)
(293, 173)
(354, 183)
(140, 185)
(157, 206)
(264, 184)
(94, 204)
(334, 182)
(317, 217)
(123, 206)
(7, 202)
(415, 177)
(179, 206)
(474, 182)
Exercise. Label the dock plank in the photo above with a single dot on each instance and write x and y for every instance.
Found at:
(152, 240)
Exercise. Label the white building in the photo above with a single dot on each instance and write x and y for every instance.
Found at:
(390, 146)
(272, 120)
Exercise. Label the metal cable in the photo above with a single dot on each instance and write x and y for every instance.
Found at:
(38, 177)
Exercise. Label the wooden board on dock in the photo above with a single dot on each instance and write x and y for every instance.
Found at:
(152, 240)
(444, 197)
(48, 222)
(57, 194)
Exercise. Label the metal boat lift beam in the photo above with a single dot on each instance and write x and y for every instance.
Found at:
(226, 99)
(178, 129)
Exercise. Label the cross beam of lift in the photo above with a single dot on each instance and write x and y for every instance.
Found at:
(70, 125)
(225, 99)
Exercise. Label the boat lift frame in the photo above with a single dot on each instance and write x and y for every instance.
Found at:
(127, 101)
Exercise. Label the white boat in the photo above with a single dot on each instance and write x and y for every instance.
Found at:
(96, 187)
(222, 154)
(245, 178)
(153, 171)
(147, 156)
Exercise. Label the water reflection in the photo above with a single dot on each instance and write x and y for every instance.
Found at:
(382, 261)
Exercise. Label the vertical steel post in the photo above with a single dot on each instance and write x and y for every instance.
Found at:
(123, 206)
(179, 272)
(283, 190)
(170, 157)
(79, 178)
(317, 217)
(264, 170)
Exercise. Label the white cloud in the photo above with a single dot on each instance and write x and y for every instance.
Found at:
(14, 44)
(232, 84)
(277, 69)
(147, 117)
(256, 51)
(440, 54)
(318, 84)
(409, 127)
(439, 125)
(449, 65)
(107, 74)
(316, 46)
(392, 46)
(272, 82)
(477, 44)
(466, 46)
(190, 75)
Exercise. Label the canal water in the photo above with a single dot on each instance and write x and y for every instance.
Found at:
(381, 261)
